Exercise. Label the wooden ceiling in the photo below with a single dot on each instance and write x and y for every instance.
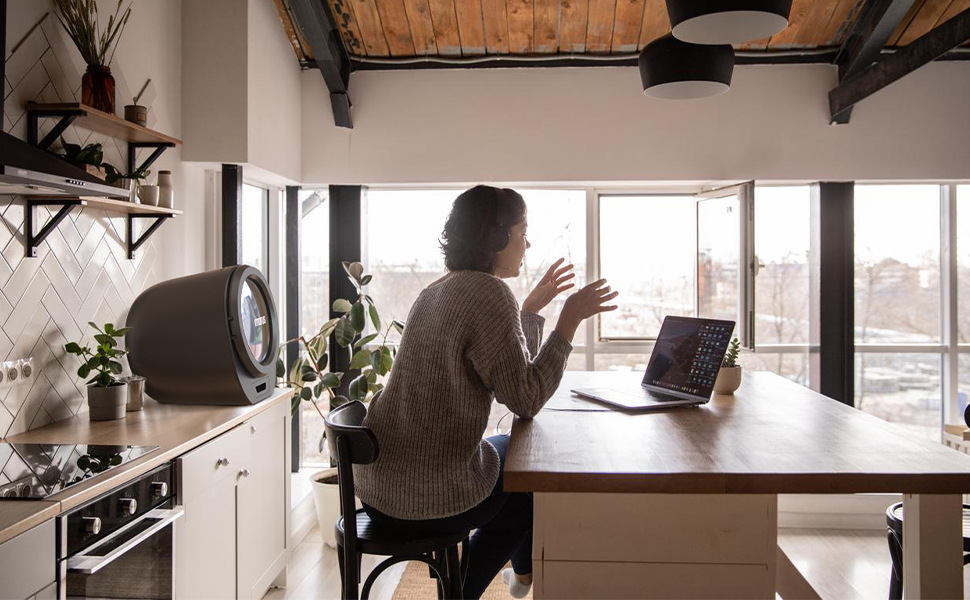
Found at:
(460, 28)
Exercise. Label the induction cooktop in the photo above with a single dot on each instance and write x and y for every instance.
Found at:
(35, 471)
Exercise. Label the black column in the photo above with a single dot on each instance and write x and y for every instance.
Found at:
(292, 216)
(833, 290)
(345, 204)
(232, 182)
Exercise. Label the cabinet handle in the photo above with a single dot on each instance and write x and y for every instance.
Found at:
(244, 473)
(252, 429)
(223, 462)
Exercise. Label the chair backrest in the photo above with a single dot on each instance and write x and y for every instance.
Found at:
(350, 443)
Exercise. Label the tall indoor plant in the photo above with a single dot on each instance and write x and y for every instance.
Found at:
(107, 395)
(80, 20)
(314, 383)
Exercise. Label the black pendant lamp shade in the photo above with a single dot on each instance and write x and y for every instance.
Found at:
(727, 21)
(676, 70)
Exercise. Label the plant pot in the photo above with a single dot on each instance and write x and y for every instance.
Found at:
(107, 403)
(98, 172)
(326, 498)
(98, 89)
(728, 380)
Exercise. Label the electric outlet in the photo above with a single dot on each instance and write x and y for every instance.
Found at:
(11, 373)
(3, 378)
(26, 368)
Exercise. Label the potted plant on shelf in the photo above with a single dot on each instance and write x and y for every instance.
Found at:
(107, 395)
(80, 20)
(314, 383)
(729, 375)
(89, 158)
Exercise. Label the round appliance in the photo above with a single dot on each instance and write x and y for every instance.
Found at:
(211, 338)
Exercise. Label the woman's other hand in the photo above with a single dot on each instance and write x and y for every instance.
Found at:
(551, 285)
(585, 303)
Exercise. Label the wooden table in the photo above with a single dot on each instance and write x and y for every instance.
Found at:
(683, 502)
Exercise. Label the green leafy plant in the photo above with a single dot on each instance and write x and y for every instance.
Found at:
(79, 18)
(309, 373)
(731, 358)
(103, 360)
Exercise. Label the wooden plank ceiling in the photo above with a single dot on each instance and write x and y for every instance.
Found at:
(471, 28)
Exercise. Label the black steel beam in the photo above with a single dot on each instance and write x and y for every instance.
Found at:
(832, 321)
(891, 68)
(317, 24)
(292, 217)
(232, 181)
(345, 245)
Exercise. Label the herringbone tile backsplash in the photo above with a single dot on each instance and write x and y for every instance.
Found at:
(81, 272)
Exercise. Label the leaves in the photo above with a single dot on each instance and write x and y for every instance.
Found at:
(357, 318)
(73, 348)
(306, 393)
(341, 306)
(365, 340)
(280, 368)
(365, 279)
(115, 367)
(399, 326)
(360, 359)
(345, 333)
(375, 318)
(331, 380)
(83, 371)
(354, 269)
(387, 361)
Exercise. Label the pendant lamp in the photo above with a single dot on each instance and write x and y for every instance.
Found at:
(727, 21)
(675, 70)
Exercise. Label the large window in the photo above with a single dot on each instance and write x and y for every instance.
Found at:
(255, 227)
(315, 301)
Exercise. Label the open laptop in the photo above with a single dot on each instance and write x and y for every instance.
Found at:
(682, 368)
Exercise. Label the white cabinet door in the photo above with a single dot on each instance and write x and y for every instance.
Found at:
(205, 538)
(261, 502)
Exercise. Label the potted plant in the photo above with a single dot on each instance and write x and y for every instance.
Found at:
(729, 375)
(90, 158)
(80, 20)
(107, 395)
(314, 383)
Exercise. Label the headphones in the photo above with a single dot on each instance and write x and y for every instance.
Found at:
(497, 237)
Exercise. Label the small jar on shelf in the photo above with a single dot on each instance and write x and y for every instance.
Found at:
(166, 194)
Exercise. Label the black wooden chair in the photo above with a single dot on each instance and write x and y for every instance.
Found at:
(894, 521)
(353, 444)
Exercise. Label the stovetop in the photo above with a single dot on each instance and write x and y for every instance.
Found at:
(35, 471)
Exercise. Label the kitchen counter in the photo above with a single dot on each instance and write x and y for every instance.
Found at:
(174, 428)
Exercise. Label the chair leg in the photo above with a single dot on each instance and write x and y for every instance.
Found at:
(464, 560)
(896, 572)
(340, 563)
(454, 572)
(352, 578)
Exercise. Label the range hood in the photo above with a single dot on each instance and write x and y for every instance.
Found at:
(27, 170)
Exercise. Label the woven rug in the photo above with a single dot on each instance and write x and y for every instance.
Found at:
(416, 585)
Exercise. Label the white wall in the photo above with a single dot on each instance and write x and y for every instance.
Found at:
(594, 124)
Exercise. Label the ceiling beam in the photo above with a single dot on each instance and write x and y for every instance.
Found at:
(893, 67)
(317, 26)
(867, 37)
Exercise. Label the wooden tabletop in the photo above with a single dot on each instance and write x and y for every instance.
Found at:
(772, 436)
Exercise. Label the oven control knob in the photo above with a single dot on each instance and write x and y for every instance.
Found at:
(159, 489)
(92, 525)
(128, 505)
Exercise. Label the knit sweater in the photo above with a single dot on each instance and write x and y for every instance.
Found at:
(465, 343)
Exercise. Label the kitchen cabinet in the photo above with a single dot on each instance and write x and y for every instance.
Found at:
(23, 571)
(232, 541)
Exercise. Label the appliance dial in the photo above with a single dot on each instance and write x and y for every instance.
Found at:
(128, 505)
(92, 525)
(159, 489)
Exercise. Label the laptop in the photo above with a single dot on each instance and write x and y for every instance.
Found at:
(682, 368)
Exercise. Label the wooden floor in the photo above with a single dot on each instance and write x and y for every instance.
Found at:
(838, 564)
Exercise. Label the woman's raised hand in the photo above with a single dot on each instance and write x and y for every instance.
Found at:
(551, 285)
(588, 301)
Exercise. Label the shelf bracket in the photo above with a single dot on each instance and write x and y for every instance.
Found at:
(159, 148)
(134, 244)
(34, 240)
(33, 126)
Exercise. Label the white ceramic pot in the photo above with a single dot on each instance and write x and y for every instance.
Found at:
(107, 403)
(326, 498)
(166, 196)
(728, 380)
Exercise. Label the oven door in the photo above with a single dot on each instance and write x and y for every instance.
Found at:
(134, 562)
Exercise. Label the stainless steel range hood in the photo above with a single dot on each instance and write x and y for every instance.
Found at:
(29, 171)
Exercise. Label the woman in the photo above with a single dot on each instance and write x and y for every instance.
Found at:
(466, 341)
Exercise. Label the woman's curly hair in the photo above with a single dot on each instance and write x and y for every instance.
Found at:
(478, 227)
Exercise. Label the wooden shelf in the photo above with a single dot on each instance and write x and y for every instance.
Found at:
(123, 206)
(102, 122)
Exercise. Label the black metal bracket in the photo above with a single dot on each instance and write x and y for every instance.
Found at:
(134, 244)
(33, 240)
(159, 148)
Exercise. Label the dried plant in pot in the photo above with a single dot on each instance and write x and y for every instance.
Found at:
(107, 394)
(80, 20)
(729, 376)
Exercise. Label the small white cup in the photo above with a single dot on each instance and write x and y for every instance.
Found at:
(148, 194)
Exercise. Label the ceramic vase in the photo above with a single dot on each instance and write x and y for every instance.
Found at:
(728, 380)
(107, 403)
(98, 89)
(166, 195)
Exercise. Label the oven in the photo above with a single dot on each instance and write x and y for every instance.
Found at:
(121, 544)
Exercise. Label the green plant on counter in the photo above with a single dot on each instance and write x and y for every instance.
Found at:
(731, 358)
(103, 360)
(308, 373)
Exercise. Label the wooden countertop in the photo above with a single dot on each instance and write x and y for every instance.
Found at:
(772, 436)
(175, 429)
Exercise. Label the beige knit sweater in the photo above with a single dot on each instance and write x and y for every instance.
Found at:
(465, 343)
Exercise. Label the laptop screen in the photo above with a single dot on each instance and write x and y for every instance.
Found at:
(688, 354)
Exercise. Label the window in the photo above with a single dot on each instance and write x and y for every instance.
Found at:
(255, 228)
(963, 262)
(645, 255)
(901, 388)
(315, 302)
(718, 263)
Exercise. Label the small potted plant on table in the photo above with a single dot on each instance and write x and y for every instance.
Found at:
(107, 395)
(729, 376)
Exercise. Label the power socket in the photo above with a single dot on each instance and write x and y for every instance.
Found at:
(26, 368)
(11, 373)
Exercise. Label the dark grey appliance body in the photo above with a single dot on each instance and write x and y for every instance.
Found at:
(189, 338)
